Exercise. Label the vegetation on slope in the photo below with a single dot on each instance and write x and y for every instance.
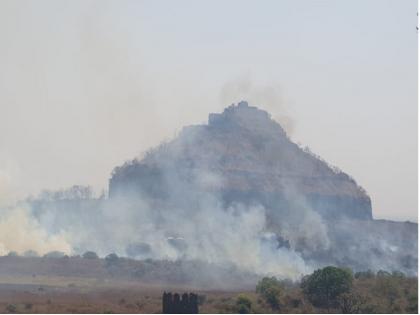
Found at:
(330, 290)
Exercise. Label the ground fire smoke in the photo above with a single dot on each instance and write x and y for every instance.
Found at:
(236, 192)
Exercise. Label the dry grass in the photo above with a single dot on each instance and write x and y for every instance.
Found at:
(60, 294)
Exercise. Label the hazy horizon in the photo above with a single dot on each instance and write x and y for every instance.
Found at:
(87, 85)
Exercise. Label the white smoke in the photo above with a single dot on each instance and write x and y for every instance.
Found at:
(20, 232)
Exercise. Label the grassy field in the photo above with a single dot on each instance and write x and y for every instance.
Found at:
(43, 294)
(77, 285)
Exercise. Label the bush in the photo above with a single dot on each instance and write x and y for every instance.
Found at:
(412, 304)
(201, 299)
(398, 274)
(11, 308)
(323, 287)
(369, 274)
(383, 274)
(270, 289)
(30, 253)
(243, 304)
(388, 287)
(350, 303)
(111, 259)
(90, 255)
(54, 254)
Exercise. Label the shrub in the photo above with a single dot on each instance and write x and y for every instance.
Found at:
(243, 304)
(388, 287)
(350, 303)
(201, 299)
(383, 274)
(323, 287)
(398, 274)
(412, 304)
(90, 255)
(270, 289)
(111, 259)
(11, 308)
(54, 254)
(30, 253)
(369, 274)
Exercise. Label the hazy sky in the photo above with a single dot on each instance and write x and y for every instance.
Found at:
(86, 85)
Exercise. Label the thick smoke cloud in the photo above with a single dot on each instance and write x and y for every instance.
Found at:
(183, 216)
(193, 225)
(200, 229)
(20, 232)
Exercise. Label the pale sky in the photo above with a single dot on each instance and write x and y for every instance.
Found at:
(87, 85)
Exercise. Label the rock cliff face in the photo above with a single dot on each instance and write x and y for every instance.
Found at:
(245, 157)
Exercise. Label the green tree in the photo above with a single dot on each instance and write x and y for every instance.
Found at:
(270, 289)
(111, 260)
(324, 286)
(243, 304)
(369, 274)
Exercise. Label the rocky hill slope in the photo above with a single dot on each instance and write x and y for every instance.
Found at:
(245, 156)
(235, 192)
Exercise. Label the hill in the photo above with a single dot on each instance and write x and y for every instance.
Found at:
(236, 191)
(249, 159)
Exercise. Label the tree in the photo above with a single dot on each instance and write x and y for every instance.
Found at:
(243, 304)
(11, 308)
(111, 259)
(398, 274)
(369, 274)
(54, 254)
(76, 192)
(270, 289)
(30, 253)
(323, 287)
(383, 274)
(90, 255)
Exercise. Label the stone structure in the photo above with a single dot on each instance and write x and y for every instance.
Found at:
(176, 304)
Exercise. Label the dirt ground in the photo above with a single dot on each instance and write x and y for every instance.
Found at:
(42, 294)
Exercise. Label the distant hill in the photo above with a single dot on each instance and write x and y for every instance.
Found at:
(236, 191)
(250, 159)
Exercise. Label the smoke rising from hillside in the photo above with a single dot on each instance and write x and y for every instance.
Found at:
(184, 217)
(170, 206)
